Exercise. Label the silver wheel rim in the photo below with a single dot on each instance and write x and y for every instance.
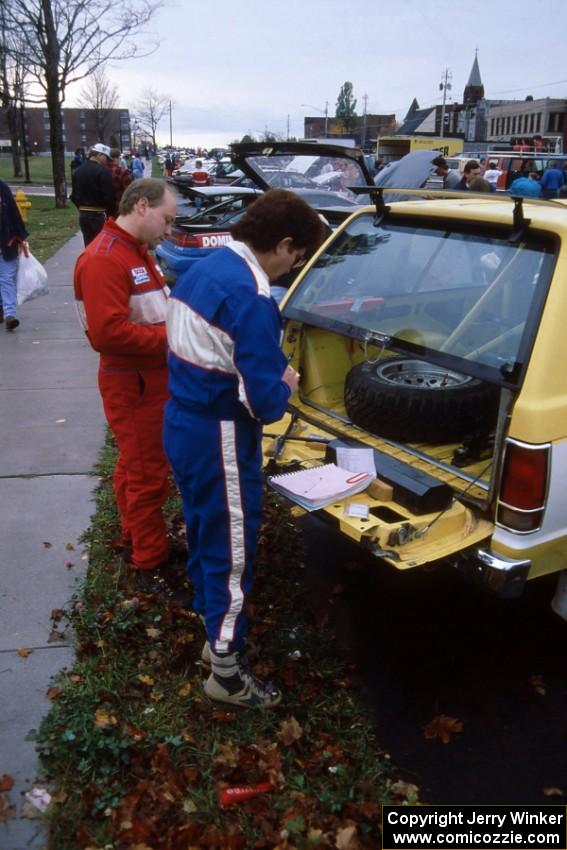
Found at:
(420, 376)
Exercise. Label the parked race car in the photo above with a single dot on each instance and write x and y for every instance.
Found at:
(195, 234)
(265, 166)
(431, 332)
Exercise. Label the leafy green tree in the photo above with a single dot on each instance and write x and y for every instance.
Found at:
(346, 108)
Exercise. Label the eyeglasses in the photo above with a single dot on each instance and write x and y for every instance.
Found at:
(300, 260)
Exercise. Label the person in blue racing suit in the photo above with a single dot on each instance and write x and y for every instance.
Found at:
(228, 376)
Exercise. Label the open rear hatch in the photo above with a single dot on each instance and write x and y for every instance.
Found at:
(412, 336)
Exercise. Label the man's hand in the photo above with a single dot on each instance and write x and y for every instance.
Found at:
(291, 378)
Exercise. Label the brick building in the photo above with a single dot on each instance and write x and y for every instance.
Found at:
(368, 128)
(81, 128)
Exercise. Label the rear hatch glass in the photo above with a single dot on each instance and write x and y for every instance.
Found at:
(466, 300)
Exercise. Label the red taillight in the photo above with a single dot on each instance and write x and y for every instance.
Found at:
(185, 240)
(523, 486)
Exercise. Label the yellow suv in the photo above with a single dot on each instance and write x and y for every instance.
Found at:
(434, 331)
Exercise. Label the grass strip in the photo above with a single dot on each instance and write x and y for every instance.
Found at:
(137, 756)
(49, 228)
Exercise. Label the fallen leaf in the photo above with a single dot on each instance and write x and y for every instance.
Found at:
(7, 812)
(443, 727)
(189, 806)
(6, 782)
(290, 731)
(153, 633)
(57, 614)
(103, 718)
(227, 754)
(69, 564)
(75, 677)
(405, 791)
(346, 839)
(145, 679)
(55, 635)
(184, 690)
(28, 810)
(47, 544)
(537, 683)
(23, 652)
(223, 716)
(54, 692)
(553, 792)
(69, 547)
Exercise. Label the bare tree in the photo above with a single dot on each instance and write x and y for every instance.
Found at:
(11, 90)
(151, 108)
(100, 95)
(67, 40)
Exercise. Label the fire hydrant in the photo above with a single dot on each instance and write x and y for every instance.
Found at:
(22, 203)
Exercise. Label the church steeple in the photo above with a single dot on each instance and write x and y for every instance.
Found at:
(474, 89)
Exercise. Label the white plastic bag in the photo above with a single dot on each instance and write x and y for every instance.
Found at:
(31, 277)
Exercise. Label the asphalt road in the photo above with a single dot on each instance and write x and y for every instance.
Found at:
(426, 644)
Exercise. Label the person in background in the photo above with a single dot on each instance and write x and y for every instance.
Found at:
(12, 234)
(200, 178)
(492, 174)
(480, 184)
(121, 178)
(526, 187)
(121, 301)
(552, 180)
(78, 159)
(470, 171)
(92, 191)
(168, 165)
(450, 177)
(228, 376)
(137, 167)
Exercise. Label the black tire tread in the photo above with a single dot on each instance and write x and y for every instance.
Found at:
(407, 414)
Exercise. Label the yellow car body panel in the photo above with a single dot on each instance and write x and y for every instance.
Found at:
(536, 413)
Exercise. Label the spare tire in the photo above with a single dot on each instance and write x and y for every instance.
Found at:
(408, 400)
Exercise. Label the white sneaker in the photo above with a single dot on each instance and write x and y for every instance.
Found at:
(232, 682)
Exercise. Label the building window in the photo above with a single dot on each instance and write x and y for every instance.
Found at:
(508, 125)
(82, 114)
(538, 122)
(83, 137)
(514, 119)
(45, 113)
(532, 121)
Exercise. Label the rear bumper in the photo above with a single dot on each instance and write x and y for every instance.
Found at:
(499, 575)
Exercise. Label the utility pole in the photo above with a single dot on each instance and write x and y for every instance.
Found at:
(170, 128)
(444, 86)
(363, 140)
(326, 117)
(287, 137)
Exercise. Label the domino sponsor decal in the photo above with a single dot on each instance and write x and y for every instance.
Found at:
(215, 240)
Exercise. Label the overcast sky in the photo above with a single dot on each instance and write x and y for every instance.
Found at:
(246, 65)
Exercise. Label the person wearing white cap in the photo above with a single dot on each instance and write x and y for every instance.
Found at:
(93, 192)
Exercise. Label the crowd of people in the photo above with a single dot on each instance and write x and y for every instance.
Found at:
(483, 176)
(187, 381)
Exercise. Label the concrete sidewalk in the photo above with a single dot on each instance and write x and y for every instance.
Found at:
(51, 435)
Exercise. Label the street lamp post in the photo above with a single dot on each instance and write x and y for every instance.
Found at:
(324, 112)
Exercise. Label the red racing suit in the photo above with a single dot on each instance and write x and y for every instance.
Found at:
(121, 300)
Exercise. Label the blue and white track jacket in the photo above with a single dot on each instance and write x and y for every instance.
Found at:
(223, 331)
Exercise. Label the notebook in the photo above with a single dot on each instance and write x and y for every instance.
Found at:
(320, 485)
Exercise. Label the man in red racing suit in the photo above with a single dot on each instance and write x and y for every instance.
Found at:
(121, 300)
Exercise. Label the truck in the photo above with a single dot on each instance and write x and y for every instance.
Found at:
(391, 148)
